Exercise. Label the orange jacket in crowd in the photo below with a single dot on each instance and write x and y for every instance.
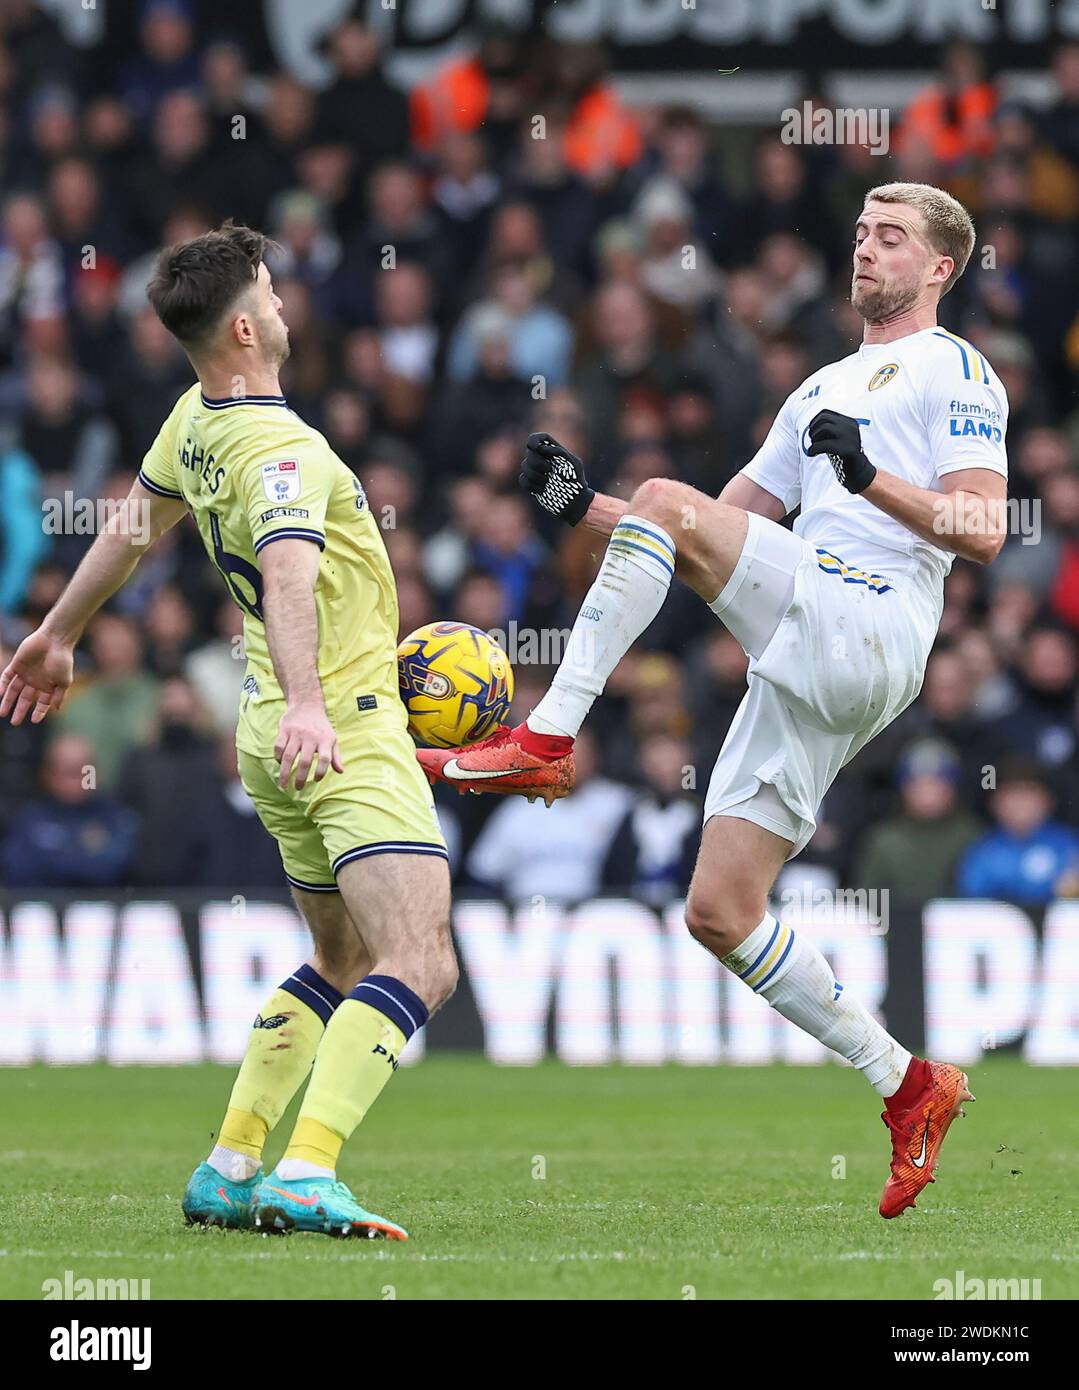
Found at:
(930, 121)
(600, 133)
(454, 99)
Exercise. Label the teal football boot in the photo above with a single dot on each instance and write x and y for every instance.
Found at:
(316, 1204)
(211, 1200)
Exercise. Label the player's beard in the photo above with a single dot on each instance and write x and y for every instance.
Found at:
(273, 338)
(279, 345)
(878, 302)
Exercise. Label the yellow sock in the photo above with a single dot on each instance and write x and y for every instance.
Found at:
(357, 1056)
(282, 1047)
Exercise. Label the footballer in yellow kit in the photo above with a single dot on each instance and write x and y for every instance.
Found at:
(324, 748)
(251, 472)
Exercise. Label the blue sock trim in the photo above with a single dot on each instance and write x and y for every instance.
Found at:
(620, 543)
(778, 965)
(771, 942)
(311, 989)
(636, 527)
(395, 1000)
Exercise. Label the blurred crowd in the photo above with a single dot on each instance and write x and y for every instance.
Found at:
(509, 247)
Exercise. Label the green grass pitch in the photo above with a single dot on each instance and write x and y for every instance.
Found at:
(552, 1182)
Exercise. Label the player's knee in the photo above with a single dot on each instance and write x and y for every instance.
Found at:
(659, 499)
(720, 924)
(706, 923)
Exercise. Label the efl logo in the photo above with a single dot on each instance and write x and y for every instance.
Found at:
(281, 481)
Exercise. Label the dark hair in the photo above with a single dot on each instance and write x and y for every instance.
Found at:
(1021, 771)
(682, 118)
(197, 281)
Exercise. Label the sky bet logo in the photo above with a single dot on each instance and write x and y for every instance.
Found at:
(974, 421)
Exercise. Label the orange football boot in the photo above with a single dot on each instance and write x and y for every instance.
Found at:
(918, 1131)
(499, 764)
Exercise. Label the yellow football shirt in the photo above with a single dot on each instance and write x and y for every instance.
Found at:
(251, 472)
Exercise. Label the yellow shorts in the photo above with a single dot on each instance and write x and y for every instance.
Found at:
(380, 804)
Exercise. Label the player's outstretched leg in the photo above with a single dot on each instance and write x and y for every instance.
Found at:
(284, 1039)
(401, 905)
(668, 525)
(727, 912)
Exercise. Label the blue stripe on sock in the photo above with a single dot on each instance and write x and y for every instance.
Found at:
(311, 989)
(626, 527)
(620, 543)
(777, 965)
(750, 968)
(395, 1000)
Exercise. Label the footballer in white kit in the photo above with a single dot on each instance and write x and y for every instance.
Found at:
(838, 617)
(896, 458)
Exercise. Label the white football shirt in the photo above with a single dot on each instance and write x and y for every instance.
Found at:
(928, 404)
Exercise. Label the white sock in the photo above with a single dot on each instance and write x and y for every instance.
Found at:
(235, 1166)
(626, 595)
(798, 983)
(289, 1169)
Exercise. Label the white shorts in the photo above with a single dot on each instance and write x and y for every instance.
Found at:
(835, 654)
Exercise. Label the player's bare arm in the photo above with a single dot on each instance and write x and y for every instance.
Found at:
(604, 514)
(305, 736)
(39, 674)
(743, 492)
(967, 516)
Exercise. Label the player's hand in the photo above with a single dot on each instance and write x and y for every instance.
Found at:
(839, 437)
(37, 677)
(556, 479)
(306, 738)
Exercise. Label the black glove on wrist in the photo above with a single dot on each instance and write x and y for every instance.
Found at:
(839, 437)
(556, 479)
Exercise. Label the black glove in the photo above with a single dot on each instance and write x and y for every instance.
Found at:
(839, 437)
(556, 479)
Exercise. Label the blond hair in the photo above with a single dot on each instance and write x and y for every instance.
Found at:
(948, 225)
